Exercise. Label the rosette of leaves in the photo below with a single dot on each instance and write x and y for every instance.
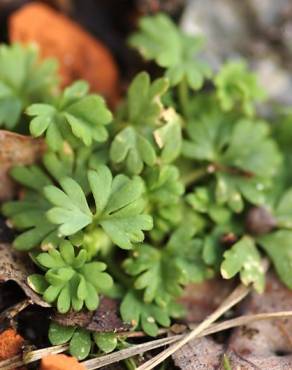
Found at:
(159, 39)
(23, 81)
(241, 154)
(146, 127)
(74, 116)
(163, 196)
(163, 272)
(70, 280)
(81, 341)
(148, 316)
(118, 207)
(29, 213)
(50, 213)
(238, 87)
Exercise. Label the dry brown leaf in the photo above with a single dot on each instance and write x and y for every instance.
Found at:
(264, 344)
(237, 295)
(200, 300)
(15, 150)
(200, 354)
(17, 267)
(105, 319)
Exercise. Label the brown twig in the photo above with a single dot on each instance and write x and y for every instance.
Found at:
(13, 311)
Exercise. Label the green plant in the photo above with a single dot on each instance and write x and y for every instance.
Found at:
(237, 85)
(180, 184)
(70, 280)
(72, 115)
(81, 340)
(159, 39)
(23, 81)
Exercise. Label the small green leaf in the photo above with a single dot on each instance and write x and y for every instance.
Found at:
(134, 149)
(74, 115)
(38, 283)
(64, 300)
(278, 246)
(24, 80)
(133, 146)
(106, 342)
(80, 344)
(159, 39)
(244, 258)
(71, 211)
(236, 86)
(59, 334)
(144, 315)
(120, 210)
(283, 211)
(169, 137)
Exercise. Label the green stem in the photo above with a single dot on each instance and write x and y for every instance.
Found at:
(183, 96)
(130, 364)
(195, 176)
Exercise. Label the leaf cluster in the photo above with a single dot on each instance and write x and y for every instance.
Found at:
(69, 279)
(23, 81)
(81, 341)
(160, 192)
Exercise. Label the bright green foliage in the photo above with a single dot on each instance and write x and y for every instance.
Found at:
(80, 344)
(245, 259)
(29, 214)
(80, 340)
(169, 136)
(202, 201)
(55, 212)
(176, 182)
(241, 171)
(71, 281)
(74, 164)
(283, 210)
(159, 39)
(149, 128)
(106, 342)
(163, 272)
(238, 87)
(278, 246)
(75, 113)
(133, 144)
(163, 195)
(118, 207)
(148, 316)
(23, 81)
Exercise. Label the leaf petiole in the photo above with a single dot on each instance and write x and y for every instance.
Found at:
(183, 96)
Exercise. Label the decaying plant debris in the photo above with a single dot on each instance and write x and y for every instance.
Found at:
(112, 216)
(14, 150)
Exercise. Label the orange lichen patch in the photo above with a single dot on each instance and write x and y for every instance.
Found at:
(10, 344)
(60, 362)
(79, 54)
